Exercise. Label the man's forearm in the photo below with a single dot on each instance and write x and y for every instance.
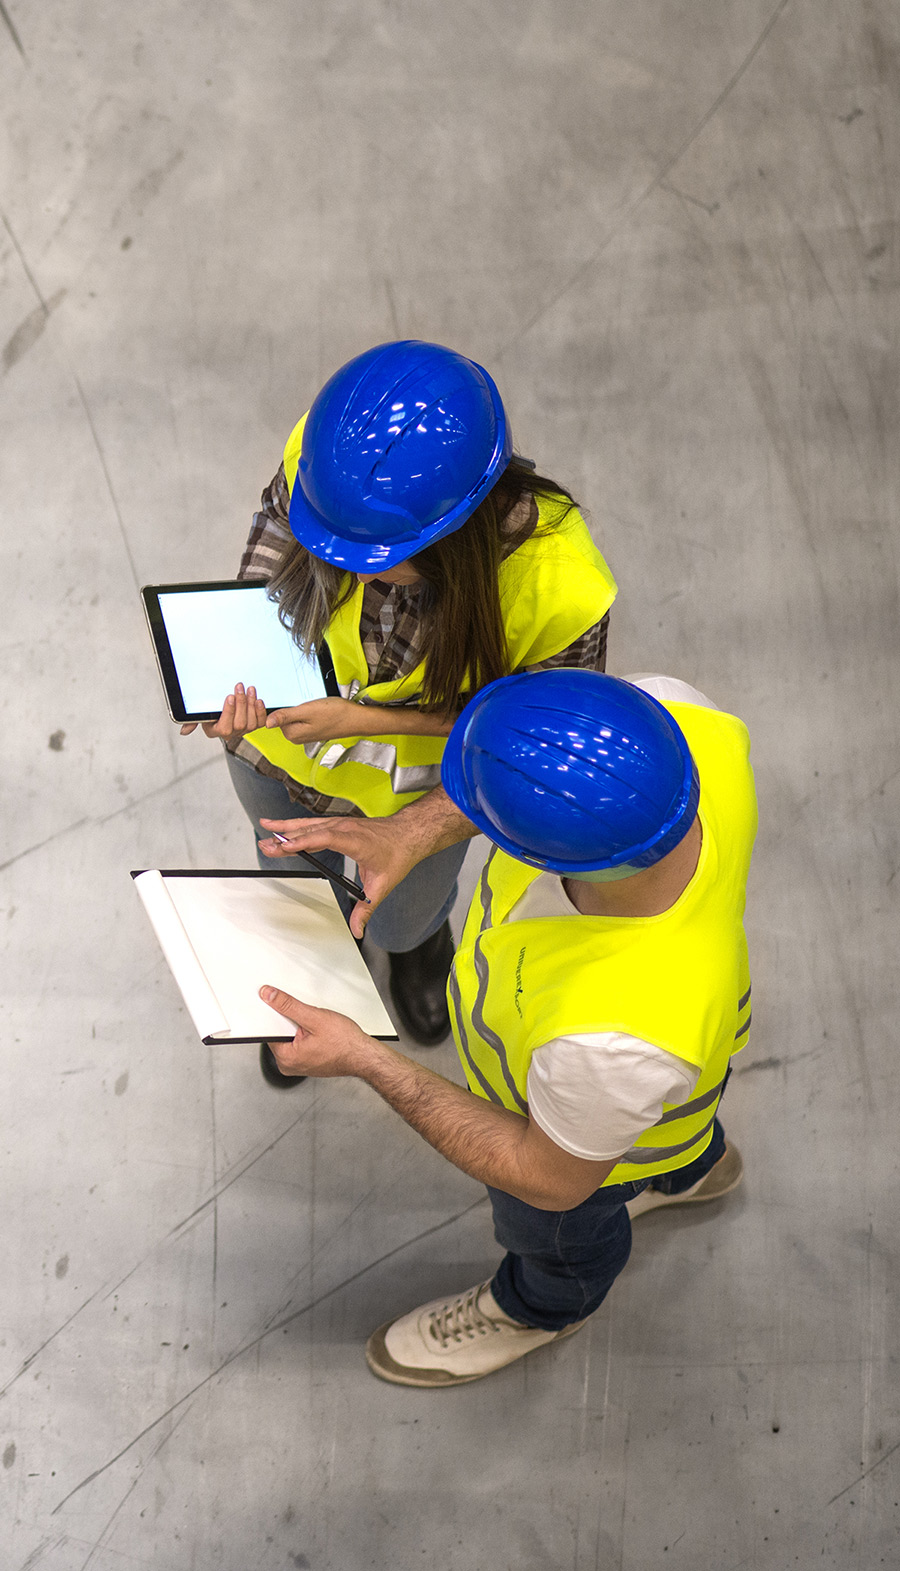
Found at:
(482, 1140)
(492, 1144)
(432, 823)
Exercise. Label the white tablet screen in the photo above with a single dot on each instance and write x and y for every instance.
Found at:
(222, 636)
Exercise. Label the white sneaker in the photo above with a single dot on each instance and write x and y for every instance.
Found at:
(452, 1340)
(719, 1181)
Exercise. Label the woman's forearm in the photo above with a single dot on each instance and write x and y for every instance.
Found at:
(382, 720)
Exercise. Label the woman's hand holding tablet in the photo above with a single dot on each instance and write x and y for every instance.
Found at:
(319, 720)
(242, 711)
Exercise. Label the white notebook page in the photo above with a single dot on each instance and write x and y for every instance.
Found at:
(245, 932)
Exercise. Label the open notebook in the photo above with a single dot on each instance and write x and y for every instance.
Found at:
(226, 934)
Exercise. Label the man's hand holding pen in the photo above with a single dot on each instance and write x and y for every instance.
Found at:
(377, 846)
(384, 849)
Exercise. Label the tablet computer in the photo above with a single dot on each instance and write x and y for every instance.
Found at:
(209, 636)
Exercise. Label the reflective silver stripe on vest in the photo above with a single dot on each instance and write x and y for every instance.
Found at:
(744, 1000)
(696, 1106)
(642, 1154)
(745, 1027)
(483, 973)
(484, 1030)
(488, 1036)
(456, 1002)
(383, 756)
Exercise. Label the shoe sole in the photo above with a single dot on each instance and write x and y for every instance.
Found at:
(381, 1363)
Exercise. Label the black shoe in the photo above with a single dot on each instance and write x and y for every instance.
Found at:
(418, 986)
(271, 1071)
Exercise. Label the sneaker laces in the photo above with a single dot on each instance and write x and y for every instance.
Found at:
(460, 1319)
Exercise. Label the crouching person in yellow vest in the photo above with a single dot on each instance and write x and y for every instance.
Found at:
(598, 994)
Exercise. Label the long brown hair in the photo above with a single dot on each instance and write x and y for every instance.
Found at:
(463, 634)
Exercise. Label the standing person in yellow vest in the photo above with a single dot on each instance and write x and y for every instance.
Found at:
(599, 992)
(403, 531)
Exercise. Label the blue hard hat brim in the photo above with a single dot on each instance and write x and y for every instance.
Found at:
(353, 556)
(368, 556)
(635, 858)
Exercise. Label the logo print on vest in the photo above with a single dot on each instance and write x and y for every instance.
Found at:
(519, 989)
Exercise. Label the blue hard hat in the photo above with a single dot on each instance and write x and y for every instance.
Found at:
(399, 448)
(572, 771)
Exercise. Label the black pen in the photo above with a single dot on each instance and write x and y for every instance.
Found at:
(321, 867)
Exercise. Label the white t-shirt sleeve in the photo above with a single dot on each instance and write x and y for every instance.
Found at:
(670, 689)
(593, 1094)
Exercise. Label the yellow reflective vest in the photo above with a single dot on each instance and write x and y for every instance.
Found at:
(680, 980)
(552, 589)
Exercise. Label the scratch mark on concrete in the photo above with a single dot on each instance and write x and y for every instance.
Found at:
(392, 307)
(149, 186)
(858, 1480)
(108, 478)
(585, 1391)
(654, 184)
(727, 90)
(8, 22)
(867, 1371)
(215, 1170)
(759, 381)
(235, 1174)
(776, 1063)
(157, 791)
(708, 207)
(26, 1365)
(131, 1488)
(70, 829)
(29, 331)
(315, 1253)
(41, 1549)
(21, 255)
(813, 253)
(281, 1325)
(180, 1228)
(106, 1292)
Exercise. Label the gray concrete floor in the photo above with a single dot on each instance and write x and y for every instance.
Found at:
(671, 231)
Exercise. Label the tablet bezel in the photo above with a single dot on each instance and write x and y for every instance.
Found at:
(165, 662)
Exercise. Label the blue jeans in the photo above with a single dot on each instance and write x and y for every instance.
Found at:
(560, 1265)
(407, 916)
